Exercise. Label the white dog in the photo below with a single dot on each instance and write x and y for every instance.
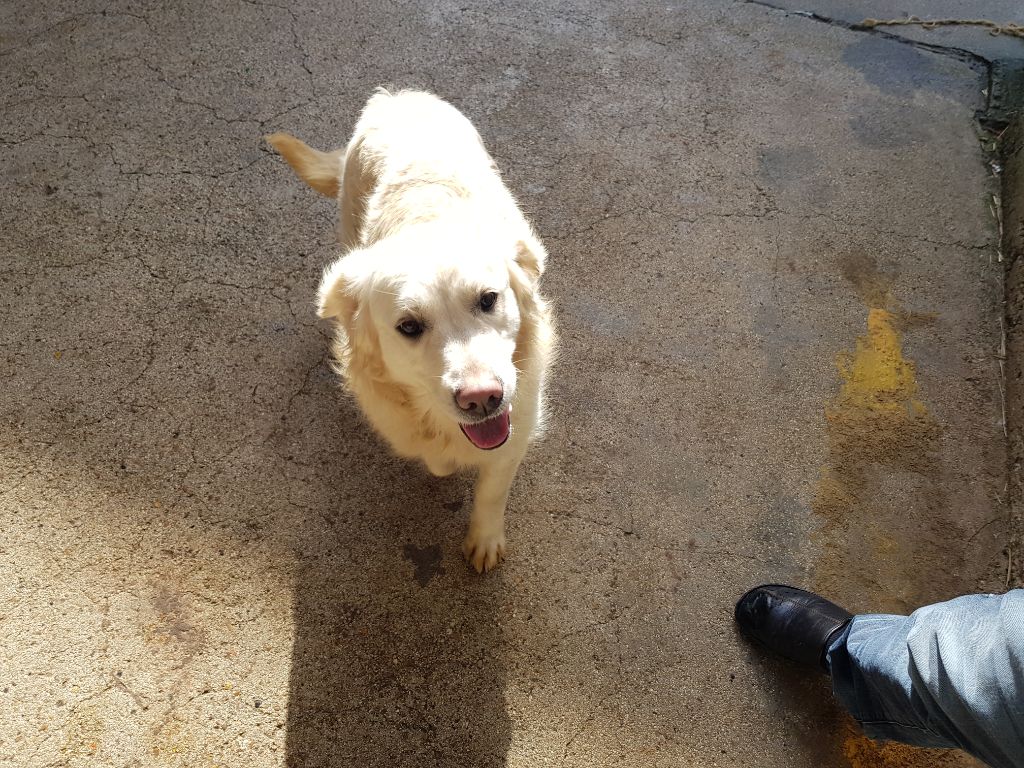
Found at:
(442, 335)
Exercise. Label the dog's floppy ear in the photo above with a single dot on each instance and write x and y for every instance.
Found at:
(321, 170)
(530, 256)
(524, 272)
(340, 287)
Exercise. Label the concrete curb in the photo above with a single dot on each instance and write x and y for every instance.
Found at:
(1012, 151)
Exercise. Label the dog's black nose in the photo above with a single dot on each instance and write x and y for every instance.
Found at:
(482, 399)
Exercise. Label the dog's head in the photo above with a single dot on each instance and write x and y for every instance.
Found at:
(439, 313)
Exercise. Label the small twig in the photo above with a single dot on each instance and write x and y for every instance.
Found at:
(1002, 394)
(1000, 498)
(997, 211)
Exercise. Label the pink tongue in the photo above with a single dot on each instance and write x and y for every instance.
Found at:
(488, 434)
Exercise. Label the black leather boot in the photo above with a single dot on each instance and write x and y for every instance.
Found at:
(792, 622)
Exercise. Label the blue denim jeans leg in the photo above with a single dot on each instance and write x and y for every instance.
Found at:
(949, 675)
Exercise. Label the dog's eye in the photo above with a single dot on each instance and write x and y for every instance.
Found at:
(488, 300)
(410, 328)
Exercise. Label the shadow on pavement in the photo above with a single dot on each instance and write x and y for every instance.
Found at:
(396, 653)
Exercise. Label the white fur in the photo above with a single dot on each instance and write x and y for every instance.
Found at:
(430, 226)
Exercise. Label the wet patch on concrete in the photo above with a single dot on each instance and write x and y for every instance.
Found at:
(877, 130)
(862, 752)
(797, 176)
(174, 625)
(879, 494)
(880, 497)
(602, 318)
(891, 68)
(784, 165)
(780, 531)
(871, 285)
(426, 562)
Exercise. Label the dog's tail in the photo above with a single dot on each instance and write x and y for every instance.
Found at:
(321, 170)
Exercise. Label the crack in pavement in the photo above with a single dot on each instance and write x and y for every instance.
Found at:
(972, 59)
(961, 54)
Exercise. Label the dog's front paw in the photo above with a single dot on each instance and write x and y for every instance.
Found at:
(484, 549)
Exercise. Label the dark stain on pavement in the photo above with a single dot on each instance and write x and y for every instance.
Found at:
(898, 71)
(890, 67)
(871, 285)
(426, 562)
(878, 129)
(174, 626)
(884, 513)
(879, 497)
(782, 165)
(862, 752)
(797, 175)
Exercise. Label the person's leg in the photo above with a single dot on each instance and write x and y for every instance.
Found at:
(949, 675)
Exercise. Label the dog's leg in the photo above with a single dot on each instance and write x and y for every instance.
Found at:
(439, 467)
(485, 542)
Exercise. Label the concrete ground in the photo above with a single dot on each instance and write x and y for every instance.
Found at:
(776, 274)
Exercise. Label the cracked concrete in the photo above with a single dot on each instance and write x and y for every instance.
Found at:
(963, 41)
(210, 560)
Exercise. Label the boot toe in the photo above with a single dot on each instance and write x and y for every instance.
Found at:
(792, 622)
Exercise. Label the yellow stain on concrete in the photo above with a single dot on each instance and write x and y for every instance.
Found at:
(875, 418)
(879, 431)
(876, 376)
(862, 752)
(876, 421)
(84, 732)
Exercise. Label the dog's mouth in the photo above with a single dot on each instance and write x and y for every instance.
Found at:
(490, 433)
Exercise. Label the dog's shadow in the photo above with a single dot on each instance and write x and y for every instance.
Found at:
(395, 657)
